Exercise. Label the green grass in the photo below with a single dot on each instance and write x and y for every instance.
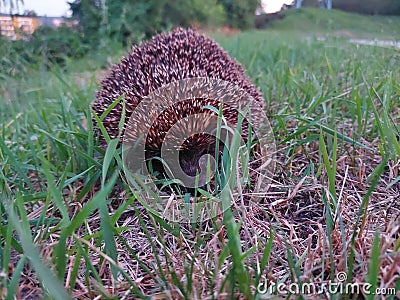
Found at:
(330, 103)
(340, 23)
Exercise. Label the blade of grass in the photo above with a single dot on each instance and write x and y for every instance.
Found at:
(48, 279)
(373, 268)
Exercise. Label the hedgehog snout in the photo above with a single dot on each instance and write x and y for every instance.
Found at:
(197, 162)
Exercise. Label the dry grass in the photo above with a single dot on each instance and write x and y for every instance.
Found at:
(293, 208)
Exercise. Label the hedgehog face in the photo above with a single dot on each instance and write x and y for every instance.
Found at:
(194, 152)
(196, 158)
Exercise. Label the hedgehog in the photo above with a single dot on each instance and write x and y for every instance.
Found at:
(167, 58)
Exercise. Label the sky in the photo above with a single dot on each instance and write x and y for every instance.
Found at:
(56, 8)
(50, 8)
(272, 6)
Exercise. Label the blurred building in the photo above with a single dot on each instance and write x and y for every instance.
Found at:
(16, 27)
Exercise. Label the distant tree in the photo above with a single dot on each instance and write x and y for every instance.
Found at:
(329, 4)
(326, 4)
(240, 13)
(321, 3)
(89, 15)
(298, 3)
(30, 13)
(128, 21)
(208, 12)
(371, 7)
(12, 5)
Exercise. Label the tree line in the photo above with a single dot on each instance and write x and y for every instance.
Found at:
(102, 23)
(369, 7)
(109, 23)
(130, 21)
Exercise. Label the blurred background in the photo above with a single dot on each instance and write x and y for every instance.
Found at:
(57, 30)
